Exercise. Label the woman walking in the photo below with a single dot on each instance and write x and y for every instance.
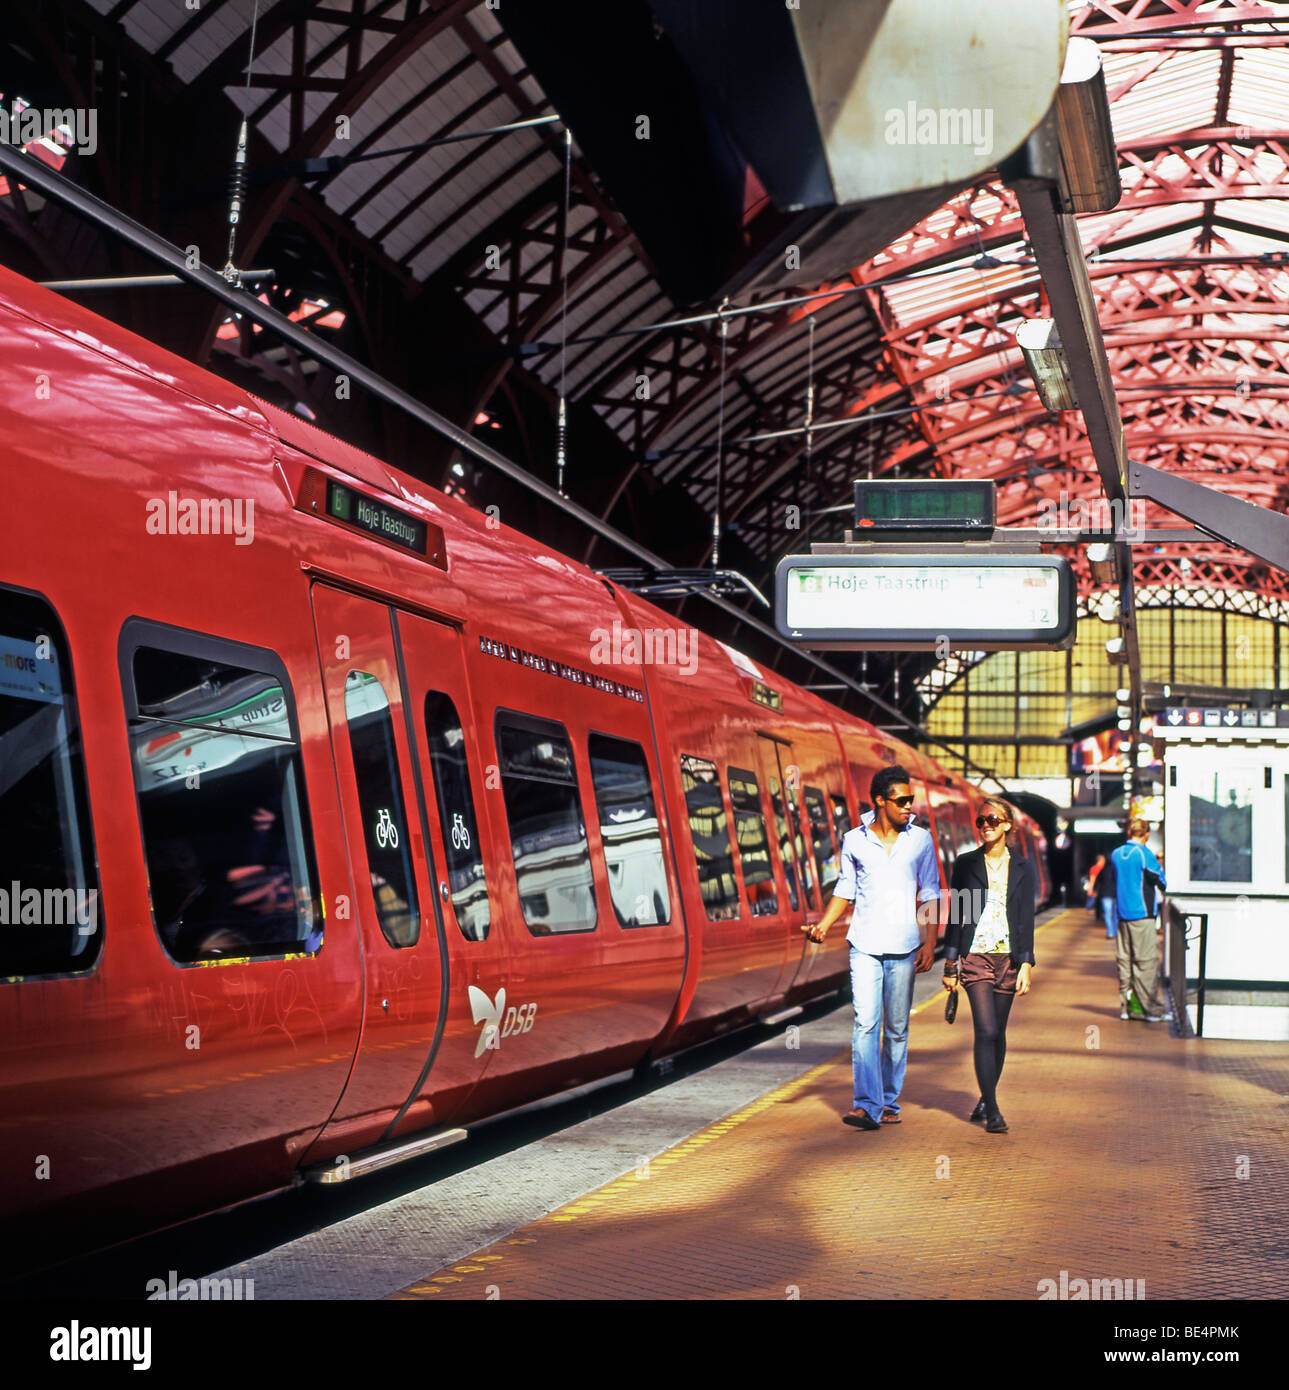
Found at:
(989, 945)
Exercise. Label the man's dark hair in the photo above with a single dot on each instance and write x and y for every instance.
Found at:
(885, 779)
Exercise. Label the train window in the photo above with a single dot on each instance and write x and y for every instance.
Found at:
(840, 816)
(944, 836)
(380, 801)
(821, 839)
(710, 833)
(785, 842)
(630, 832)
(48, 877)
(753, 844)
(221, 796)
(547, 830)
(467, 877)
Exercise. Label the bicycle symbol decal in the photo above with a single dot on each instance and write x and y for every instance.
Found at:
(386, 830)
(460, 835)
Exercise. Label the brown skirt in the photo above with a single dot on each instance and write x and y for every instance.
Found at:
(1001, 971)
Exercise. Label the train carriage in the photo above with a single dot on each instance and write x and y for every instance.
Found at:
(371, 829)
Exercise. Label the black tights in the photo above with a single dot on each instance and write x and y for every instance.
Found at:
(989, 1016)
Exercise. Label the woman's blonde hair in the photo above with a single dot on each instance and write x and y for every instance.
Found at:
(1006, 812)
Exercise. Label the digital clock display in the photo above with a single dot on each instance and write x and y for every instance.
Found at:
(922, 505)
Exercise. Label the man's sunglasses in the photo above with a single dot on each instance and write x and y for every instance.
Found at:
(990, 821)
(900, 800)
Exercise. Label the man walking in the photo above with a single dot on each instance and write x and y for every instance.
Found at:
(1137, 945)
(889, 875)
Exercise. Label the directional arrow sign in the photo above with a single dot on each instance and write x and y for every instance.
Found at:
(1230, 717)
(1174, 716)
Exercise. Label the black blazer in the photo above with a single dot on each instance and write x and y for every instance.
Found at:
(968, 886)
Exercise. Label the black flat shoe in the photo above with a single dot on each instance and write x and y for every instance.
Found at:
(996, 1125)
(977, 1116)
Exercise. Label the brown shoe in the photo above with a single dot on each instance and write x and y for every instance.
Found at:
(890, 1117)
(861, 1119)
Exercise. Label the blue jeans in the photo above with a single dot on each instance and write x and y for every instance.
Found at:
(1110, 911)
(882, 987)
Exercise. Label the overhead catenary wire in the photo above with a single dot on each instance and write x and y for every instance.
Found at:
(723, 332)
(1264, 259)
(810, 404)
(561, 425)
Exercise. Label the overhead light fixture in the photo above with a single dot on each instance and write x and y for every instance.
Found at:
(1124, 711)
(1101, 562)
(1089, 163)
(1040, 343)
(1115, 652)
(1122, 694)
(1108, 608)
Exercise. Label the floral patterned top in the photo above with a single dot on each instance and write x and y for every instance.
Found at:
(992, 935)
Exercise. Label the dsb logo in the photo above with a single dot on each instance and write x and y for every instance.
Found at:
(498, 1020)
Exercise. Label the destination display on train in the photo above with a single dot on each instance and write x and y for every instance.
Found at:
(903, 602)
(389, 523)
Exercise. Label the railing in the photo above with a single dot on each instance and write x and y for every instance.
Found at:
(1179, 935)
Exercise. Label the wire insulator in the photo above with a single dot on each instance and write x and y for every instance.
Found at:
(236, 194)
(561, 437)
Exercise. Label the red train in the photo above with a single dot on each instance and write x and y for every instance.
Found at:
(335, 816)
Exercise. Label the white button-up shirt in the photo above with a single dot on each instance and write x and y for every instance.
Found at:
(886, 888)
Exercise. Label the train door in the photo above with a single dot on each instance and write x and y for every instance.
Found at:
(773, 760)
(393, 908)
(783, 780)
(477, 1014)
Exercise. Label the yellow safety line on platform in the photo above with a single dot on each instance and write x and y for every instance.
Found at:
(597, 1199)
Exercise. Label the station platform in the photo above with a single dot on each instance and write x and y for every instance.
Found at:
(1134, 1156)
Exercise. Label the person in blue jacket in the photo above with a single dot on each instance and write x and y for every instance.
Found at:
(1137, 945)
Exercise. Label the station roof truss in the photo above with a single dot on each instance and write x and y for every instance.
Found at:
(911, 356)
(1190, 273)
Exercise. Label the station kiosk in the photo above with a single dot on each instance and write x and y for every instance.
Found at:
(1226, 842)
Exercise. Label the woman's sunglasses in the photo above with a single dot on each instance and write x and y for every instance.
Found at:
(990, 821)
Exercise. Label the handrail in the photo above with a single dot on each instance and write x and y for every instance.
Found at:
(1178, 938)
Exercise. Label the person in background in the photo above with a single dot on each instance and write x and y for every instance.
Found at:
(1137, 945)
(989, 945)
(891, 885)
(1090, 885)
(1105, 890)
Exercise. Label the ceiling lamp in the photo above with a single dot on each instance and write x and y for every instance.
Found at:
(1101, 563)
(1089, 164)
(1040, 343)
